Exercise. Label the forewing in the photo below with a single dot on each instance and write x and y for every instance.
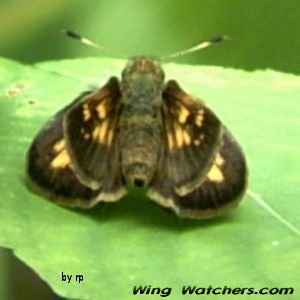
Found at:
(51, 170)
(91, 132)
(192, 138)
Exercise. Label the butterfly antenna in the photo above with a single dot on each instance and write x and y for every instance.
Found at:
(76, 36)
(202, 45)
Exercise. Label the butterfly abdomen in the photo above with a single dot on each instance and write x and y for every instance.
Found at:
(140, 140)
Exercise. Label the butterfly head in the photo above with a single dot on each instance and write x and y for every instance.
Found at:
(143, 75)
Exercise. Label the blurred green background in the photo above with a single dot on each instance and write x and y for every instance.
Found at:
(265, 33)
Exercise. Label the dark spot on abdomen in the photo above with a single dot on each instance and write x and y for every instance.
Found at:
(139, 182)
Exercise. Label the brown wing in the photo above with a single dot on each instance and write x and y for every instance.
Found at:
(201, 169)
(52, 163)
(91, 129)
(223, 187)
(192, 138)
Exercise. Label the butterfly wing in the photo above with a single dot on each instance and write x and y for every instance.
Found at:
(54, 167)
(192, 138)
(91, 129)
(201, 169)
(223, 187)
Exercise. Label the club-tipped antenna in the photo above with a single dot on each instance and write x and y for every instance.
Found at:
(76, 36)
(198, 47)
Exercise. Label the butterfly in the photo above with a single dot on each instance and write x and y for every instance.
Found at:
(140, 131)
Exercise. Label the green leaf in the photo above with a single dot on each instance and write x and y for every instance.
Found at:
(134, 242)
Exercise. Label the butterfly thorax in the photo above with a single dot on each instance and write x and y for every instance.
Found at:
(140, 136)
(142, 81)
